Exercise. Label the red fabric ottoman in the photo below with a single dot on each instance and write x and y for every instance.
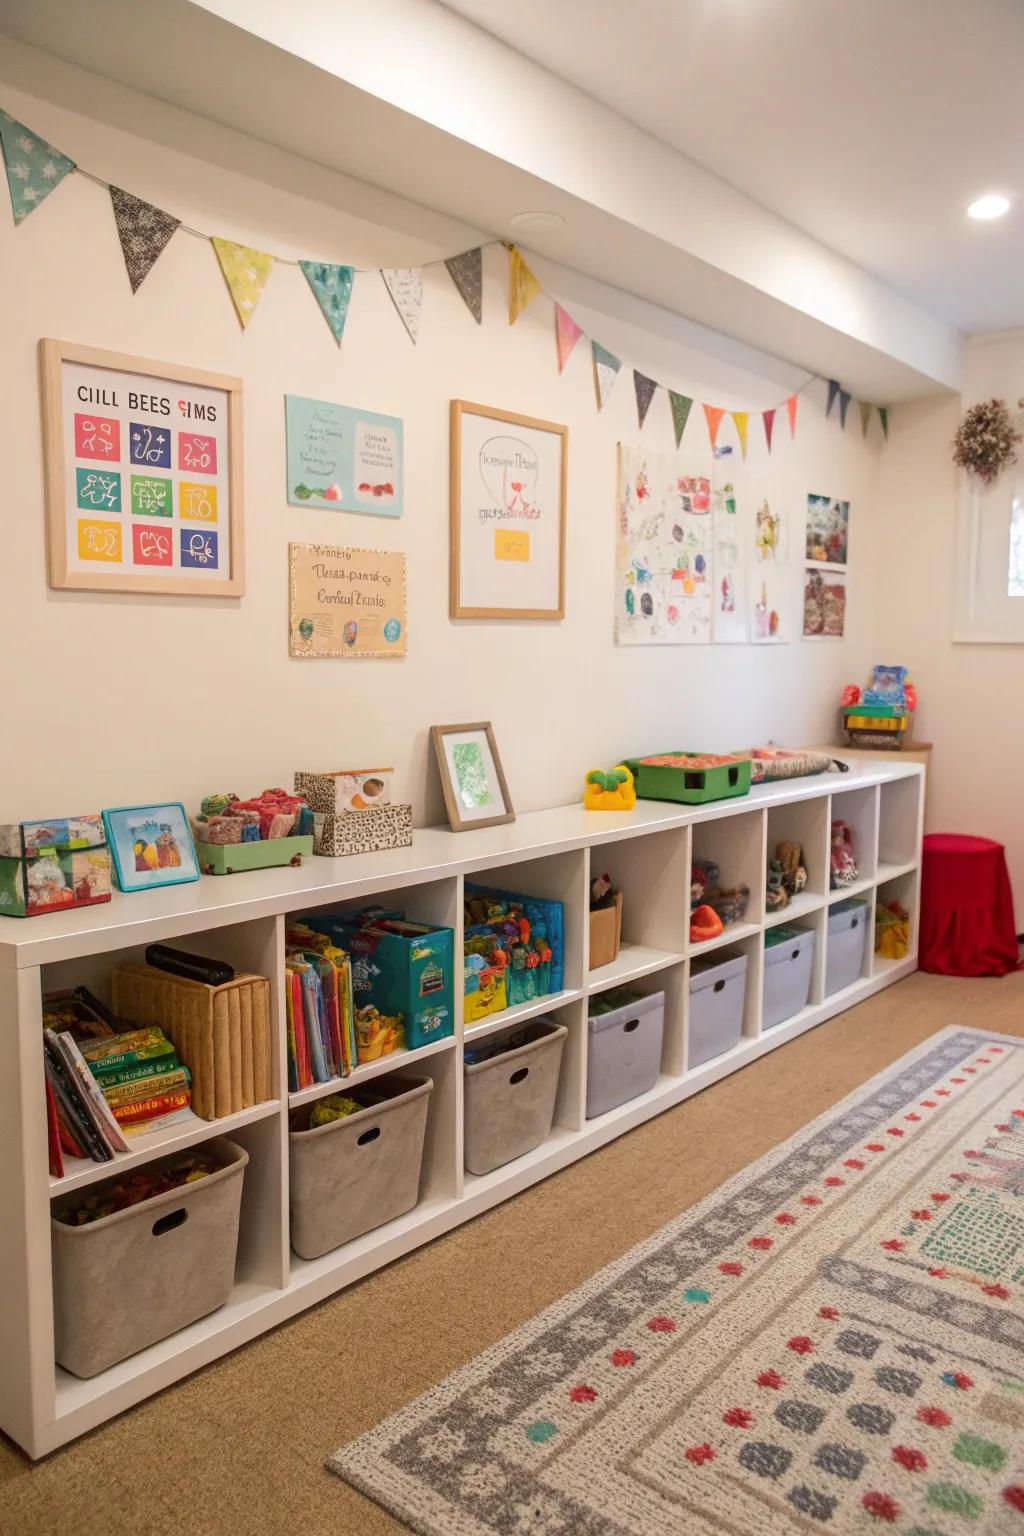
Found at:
(967, 926)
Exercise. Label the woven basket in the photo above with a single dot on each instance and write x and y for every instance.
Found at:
(222, 1034)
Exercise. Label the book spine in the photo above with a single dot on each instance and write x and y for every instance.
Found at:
(155, 1067)
(293, 1061)
(70, 1099)
(97, 1105)
(53, 1134)
(301, 1038)
(130, 1058)
(152, 1108)
(146, 1087)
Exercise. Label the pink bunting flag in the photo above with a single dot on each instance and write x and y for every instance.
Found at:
(713, 415)
(791, 413)
(768, 417)
(567, 334)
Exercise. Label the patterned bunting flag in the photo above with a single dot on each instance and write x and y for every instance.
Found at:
(405, 285)
(865, 416)
(567, 334)
(768, 417)
(791, 413)
(844, 403)
(606, 371)
(467, 273)
(883, 416)
(245, 272)
(680, 413)
(143, 231)
(332, 289)
(833, 391)
(34, 167)
(523, 287)
(713, 415)
(645, 388)
(742, 422)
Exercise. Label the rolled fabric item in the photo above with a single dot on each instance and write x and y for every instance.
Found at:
(221, 829)
(282, 824)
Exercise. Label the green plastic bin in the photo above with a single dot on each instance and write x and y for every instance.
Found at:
(672, 776)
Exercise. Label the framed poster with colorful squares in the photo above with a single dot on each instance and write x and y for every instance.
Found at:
(143, 474)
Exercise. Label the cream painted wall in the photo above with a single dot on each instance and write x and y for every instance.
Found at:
(112, 700)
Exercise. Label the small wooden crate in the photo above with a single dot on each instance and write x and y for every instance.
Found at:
(606, 933)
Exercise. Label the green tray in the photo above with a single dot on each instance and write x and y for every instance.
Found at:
(268, 853)
(689, 786)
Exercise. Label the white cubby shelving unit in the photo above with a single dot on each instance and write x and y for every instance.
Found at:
(241, 918)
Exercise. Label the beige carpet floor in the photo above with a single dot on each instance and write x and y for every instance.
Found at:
(241, 1446)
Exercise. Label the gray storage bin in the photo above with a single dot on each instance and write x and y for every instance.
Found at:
(788, 962)
(717, 989)
(847, 938)
(624, 1052)
(357, 1173)
(130, 1279)
(510, 1098)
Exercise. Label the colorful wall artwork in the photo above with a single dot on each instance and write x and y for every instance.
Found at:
(824, 604)
(664, 579)
(343, 459)
(828, 530)
(768, 573)
(346, 602)
(143, 469)
(729, 564)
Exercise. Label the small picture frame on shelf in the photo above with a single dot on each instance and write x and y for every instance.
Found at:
(151, 845)
(475, 791)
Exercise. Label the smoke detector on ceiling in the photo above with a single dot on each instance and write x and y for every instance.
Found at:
(535, 222)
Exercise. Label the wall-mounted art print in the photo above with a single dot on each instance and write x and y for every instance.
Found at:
(508, 502)
(472, 778)
(665, 544)
(343, 459)
(824, 604)
(769, 622)
(346, 602)
(729, 564)
(143, 474)
(828, 530)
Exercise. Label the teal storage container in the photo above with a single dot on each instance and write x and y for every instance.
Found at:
(400, 967)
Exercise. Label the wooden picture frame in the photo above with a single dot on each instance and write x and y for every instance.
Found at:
(124, 516)
(462, 815)
(506, 571)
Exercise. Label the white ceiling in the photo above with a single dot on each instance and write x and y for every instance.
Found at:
(869, 125)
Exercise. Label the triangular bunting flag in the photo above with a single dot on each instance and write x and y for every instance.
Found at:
(645, 388)
(865, 416)
(567, 334)
(332, 289)
(467, 273)
(883, 416)
(742, 422)
(405, 285)
(833, 390)
(523, 287)
(680, 413)
(714, 414)
(768, 417)
(143, 231)
(606, 371)
(34, 167)
(791, 413)
(844, 403)
(245, 272)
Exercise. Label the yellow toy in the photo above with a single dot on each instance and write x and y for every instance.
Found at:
(611, 791)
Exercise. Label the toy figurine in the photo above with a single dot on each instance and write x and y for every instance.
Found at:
(842, 864)
(794, 871)
(731, 905)
(892, 931)
(776, 895)
(703, 877)
(705, 923)
(611, 791)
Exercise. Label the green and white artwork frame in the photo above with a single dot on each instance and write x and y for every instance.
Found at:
(472, 778)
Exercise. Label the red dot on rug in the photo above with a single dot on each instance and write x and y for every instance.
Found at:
(894, 1245)
(730, 1268)
(661, 1325)
(927, 1104)
(829, 1312)
(582, 1394)
(834, 1182)
(937, 1273)
(940, 1196)
(738, 1418)
(699, 1454)
(760, 1242)
(921, 1215)
(1014, 1496)
(882, 1505)
(958, 1079)
(938, 1418)
(784, 1219)
(912, 1117)
(906, 1456)
(894, 1130)
(874, 1146)
(800, 1344)
(810, 1199)
(623, 1357)
(853, 1162)
(995, 1289)
(771, 1379)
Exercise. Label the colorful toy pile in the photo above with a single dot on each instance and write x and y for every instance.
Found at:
(881, 714)
(892, 930)
(787, 876)
(712, 909)
(271, 829)
(513, 950)
(143, 1184)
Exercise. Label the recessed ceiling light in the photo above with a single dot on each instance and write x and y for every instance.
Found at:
(992, 206)
(536, 221)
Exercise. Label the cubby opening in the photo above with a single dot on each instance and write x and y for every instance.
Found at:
(803, 825)
(736, 844)
(886, 956)
(899, 816)
(653, 874)
(858, 809)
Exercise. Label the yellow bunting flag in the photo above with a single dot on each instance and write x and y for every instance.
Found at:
(523, 287)
(245, 272)
(742, 421)
(713, 414)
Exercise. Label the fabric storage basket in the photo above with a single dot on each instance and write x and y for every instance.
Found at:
(624, 1052)
(788, 961)
(717, 991)
(510, 1097)
(358, 1172)
(130, 1279)
(844, 951)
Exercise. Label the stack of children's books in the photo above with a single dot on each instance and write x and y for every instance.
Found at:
(320, 1008)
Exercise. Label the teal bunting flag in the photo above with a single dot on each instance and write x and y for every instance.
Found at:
(332, 288)
(34, 167)
(606, 371)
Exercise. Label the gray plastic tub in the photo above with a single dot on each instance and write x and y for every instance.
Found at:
(128, 1280)
(844, 949)
(717, 989)
(361, 1171)
(788, 962)
(510, 1097)
(624, 1052)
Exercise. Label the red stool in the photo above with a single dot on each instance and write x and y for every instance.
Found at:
(967, 926)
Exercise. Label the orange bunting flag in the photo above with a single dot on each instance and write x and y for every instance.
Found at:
(742, 421)
(567, 334)
(523, 287)
(714, 414)
(768, 417)
(791, 413)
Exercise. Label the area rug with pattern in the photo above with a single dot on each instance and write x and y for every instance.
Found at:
(833, 1341)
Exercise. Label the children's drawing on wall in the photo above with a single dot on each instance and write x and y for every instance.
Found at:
(729, 571)
(828, 530)
(824, 604)
(664, 586)
(768, 577)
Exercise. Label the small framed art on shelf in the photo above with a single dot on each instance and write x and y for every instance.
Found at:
(475, 791)
(151, 845)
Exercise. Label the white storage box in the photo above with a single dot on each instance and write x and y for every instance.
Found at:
(510, 1096)
(623, 1051)
(717, 989)
(844, 951)
(788, 962)
(127, 1280)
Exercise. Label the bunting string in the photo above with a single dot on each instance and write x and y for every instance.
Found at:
(35, 168)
